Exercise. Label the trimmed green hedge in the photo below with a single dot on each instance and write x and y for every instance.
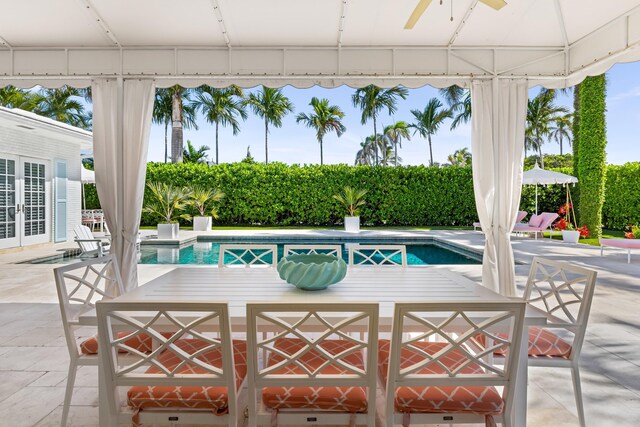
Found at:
(622, 196)
(277, 194)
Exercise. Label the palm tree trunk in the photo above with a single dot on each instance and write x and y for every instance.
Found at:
(176, 128)
(430, 152)
(166, 143)
(266, 143)
(540, 154)
(216, 142)
(395, 154)
(375, 137)
(561, 145)
(321, 154)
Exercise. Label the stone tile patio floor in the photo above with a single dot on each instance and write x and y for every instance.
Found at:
(34, 360)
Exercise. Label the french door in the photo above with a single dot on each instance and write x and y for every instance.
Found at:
(24, 201)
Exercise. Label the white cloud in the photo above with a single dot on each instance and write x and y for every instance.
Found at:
(631, 93)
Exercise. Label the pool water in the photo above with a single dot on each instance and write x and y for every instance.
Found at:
(207, 253)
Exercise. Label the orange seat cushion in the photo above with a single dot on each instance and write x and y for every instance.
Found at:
(141, 342)
(343, 399)
(194, 397)
(440, 399)
(545, 343)
(542, 343)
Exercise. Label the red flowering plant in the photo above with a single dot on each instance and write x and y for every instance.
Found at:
(632, 231)
(565, 223)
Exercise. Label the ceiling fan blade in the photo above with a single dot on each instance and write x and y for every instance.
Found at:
(496, 4)
(417, 13)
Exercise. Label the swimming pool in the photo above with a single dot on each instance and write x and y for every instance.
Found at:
(207, 252)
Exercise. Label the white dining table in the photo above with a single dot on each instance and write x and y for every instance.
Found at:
(384, 285)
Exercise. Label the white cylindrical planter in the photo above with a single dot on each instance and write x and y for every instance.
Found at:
(202, 223)
(571, 236)
(168, 231)
(352, 224)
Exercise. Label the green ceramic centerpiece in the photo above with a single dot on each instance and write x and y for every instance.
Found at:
(312, 272)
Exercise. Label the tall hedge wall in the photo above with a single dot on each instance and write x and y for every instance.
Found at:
(592, 156)
(277, 194)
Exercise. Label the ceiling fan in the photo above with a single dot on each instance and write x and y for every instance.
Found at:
(424, 4)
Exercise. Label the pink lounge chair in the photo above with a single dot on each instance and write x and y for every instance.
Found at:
(627, 244)
(519, 218)
(537, 224)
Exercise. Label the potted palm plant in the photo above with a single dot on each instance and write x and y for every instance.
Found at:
(353, 200)
(167, 203)
(203, 199)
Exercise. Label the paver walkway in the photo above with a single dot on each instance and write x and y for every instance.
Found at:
(33, 356)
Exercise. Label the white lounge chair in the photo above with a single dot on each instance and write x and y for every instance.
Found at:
(89, 245)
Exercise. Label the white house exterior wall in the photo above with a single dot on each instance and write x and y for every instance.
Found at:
(50, 147)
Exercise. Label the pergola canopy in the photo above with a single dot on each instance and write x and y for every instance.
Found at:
(555, 43)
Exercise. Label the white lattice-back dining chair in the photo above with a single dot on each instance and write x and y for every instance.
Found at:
(378, 255)
(193, 374)
(248, 255)
(316, 372)
(335, 250)
(437, 368)
(565, 292)
(79, 287)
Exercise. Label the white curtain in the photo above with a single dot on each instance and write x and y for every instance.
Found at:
(498, 122)
(121, 123)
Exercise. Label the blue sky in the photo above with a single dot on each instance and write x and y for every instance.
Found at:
(293, 143)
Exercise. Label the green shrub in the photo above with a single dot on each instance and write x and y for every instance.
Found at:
(277, 194)
(622, 196)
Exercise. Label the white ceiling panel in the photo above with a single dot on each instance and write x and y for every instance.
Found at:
(162, 22)
(282, 22)
(583, 17)
(519, 23)
(383, 25)
(43, 23)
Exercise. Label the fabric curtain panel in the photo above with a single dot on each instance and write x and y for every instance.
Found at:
(498, 123)
(121, 126)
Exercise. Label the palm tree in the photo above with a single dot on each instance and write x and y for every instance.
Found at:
(459, 101)
(373, 99)
(221, 107)
(541, 114)
(429, 120)
(59, 104)
(461, 158)
(394, 133)
(193, 155)
(387, 154)
(270, 105)
(561, 130)
(366, 155)
(182, 111)
(162, 114)
(13, 97)
(324, 119)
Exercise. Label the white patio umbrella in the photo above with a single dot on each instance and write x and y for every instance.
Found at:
(538, 176)
(86, 177)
